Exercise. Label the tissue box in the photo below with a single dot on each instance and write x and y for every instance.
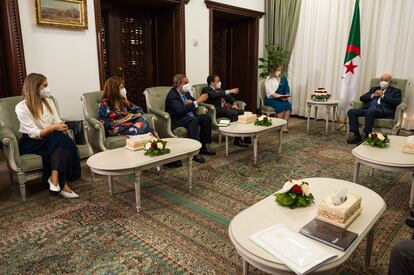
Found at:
(247, 118)
(137, 143)
(340, 215)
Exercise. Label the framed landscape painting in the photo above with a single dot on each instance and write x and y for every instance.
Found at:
(62, 13)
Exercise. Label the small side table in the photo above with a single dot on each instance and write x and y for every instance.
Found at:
(330, 105)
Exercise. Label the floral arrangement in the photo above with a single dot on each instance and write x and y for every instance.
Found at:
(377, 140)
(321, 97)
(156, 147)
(294, 194)
(321, 94)
(263, 120)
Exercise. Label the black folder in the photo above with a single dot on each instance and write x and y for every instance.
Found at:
(329, 234)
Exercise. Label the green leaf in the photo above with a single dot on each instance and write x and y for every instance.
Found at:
(287, 200)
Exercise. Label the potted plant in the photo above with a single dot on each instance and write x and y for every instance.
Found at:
(275, 54)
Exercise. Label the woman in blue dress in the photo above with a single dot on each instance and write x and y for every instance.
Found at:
(118, 115)
(278, 93)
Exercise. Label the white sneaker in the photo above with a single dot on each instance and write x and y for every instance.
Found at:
(69, 195)
(52, 187)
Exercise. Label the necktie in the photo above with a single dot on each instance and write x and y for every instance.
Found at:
(373, 104)
(185, 102)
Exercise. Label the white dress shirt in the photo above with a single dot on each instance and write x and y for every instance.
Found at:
(31, 126)
(271, 86)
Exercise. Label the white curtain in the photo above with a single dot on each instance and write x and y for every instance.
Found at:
(387, 46)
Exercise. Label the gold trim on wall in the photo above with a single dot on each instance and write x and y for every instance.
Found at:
(61, 17)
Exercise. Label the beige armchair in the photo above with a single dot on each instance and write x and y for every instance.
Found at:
(392, 124)
(155, 99)
(96, 130)
(24, 167)
(211, 110)
(265, 109)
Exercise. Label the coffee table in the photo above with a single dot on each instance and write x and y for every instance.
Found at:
(123, 161)
(330, 105)
(237, 129)
(390, 158)
(267, 213)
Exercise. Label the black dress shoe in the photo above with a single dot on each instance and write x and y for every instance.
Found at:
(410, 222)
(354, 139)
(412, 213)
(199, 158)
(247, 140)
(239, 142)
(206, 150)
(174, 164)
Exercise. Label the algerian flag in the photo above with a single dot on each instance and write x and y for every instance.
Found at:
(351, 65)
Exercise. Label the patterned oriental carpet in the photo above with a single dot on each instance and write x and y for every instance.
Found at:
(182, 232)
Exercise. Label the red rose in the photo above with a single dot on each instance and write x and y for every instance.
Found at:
(154, 145)
(374, 135)
(296, 189)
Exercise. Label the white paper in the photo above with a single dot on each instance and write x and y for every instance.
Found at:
(296, 251)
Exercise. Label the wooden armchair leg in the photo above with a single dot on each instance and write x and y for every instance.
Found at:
(22, 184)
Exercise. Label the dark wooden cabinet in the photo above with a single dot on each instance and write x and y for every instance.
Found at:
(12, 64)
(141, 41)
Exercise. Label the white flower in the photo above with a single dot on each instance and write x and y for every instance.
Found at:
(261, 117)
(305, 189)
(159, 145)
(380, 136)
(148, 146)
(288, 185)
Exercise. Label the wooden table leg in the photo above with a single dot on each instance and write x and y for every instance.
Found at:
(138, 189)
(110, 185)
(255, 149)
(190, 172)
(356, 171)
(227, 146)
(245, 267)
(316, 116)
(333, 117)
(368, 249)
(280, 139)
(309, 114)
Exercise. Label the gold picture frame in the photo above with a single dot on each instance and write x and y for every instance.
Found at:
(71, 14)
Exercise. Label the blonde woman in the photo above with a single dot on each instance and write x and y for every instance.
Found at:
(278, 93)
(44, 134)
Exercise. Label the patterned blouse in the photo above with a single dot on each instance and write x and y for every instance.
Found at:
(108, 116)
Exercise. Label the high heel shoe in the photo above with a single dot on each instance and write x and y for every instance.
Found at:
(69, 195)
(52, 187)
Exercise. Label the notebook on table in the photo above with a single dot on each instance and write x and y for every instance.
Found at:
(296, 251)
(329, 234)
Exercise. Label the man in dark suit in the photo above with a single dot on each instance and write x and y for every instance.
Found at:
(380, 102)
(181, 105)
(225, 104)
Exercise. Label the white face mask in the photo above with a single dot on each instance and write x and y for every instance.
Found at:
(187, 88)
(384, 84)
(123, 92)
(218, 85)
(45, 92)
